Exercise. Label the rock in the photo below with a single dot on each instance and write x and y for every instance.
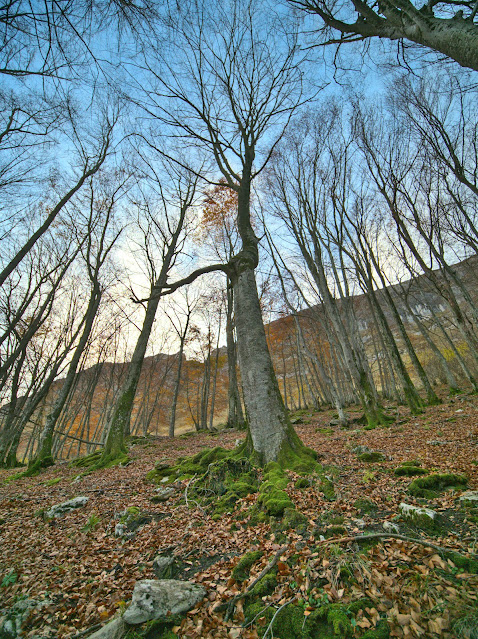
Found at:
(470, 496)
(154, 599)
(115, 629)
(408, 510)
(67, 506)
(11, 627)
(359, 450)
(335, 422)
(389, 526)
(120, 530)
(162, 566)
(163, 494)
(360, 523)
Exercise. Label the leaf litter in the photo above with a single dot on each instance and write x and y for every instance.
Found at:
(85, 574)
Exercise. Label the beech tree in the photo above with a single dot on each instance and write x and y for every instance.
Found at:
(232, 87)
(447, 27)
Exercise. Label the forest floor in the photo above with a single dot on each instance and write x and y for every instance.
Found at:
(85, 574)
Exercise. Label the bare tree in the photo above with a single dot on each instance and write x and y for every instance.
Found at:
(234, 84)
(447, 27)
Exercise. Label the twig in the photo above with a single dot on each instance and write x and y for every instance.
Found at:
(229, 605)
(186, 490)
(360, 538)
(269, 627)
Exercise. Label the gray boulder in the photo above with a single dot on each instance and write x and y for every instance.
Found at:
(67, 506)
(154, 599)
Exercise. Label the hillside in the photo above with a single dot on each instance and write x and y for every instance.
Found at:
(75, 573)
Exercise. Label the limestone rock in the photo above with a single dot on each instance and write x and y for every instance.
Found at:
(11, 628)
(470, 496)
(408, 510)
(115, 629)
(162, 566)
(67, 506)
(163, 493)
(153, 599)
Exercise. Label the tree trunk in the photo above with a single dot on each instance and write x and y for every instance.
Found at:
(235, 415)
(270, 431)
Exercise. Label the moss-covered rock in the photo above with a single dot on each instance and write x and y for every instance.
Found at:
(409, 471)
(326, 485)
(272, 496)
(372, 456)
(242, 569)
(432, 485)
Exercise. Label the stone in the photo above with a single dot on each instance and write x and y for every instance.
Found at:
(470, 496)
(67, 506)
(360, 523)
(389, 526)
(115, 629)
(164, 493)
(359, 450)
(162, 566)
(408, 510)
(11, 628)
(120, 530)
(154, 599)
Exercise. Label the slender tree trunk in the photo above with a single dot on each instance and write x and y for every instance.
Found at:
(235, 415)
(44, 455)
(177, 384)
(214, 379)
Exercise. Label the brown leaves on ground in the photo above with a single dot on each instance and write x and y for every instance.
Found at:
(86, 574)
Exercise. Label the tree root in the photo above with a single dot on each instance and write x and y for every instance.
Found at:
(229, 605)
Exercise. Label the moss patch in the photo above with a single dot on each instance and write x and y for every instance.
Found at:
(429, 487)
(272, 496)
(373, 456)
(409, 471)
(241, 571)
(327, 621)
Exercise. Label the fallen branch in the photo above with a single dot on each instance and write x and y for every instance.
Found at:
(361, 538)
(269, 627)
(229, 605)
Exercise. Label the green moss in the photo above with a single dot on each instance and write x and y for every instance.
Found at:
(372, 457)
(292, 519)
(335, 530)
(381, 631)
(303, 482)
(264, 586)
(87, 461)
(327, 488)
(365, 505)
(241, 571)
(414, 462)
(467, 564)
(156, 629)
(52, 482)
(409, 471)
(429, 487)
